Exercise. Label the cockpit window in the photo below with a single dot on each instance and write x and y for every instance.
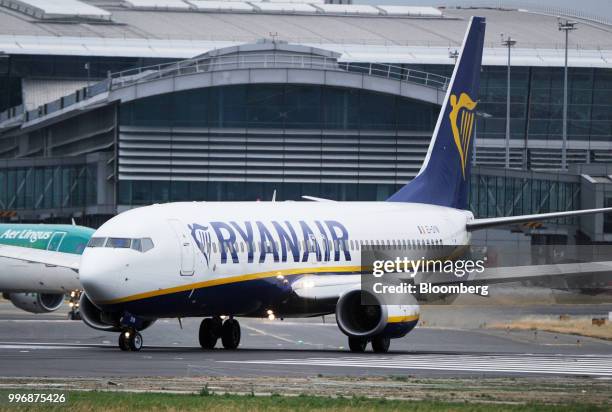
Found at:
(147, 244)
(96, 242)
(119, 242)
(136, 244)
(142, 245)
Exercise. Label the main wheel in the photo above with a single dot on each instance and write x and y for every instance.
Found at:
(357, 344)
(135, 341)
(123, 343)
(380, 344)
(209, 333)
(230, 335)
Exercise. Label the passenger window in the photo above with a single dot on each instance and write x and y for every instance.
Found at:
(96, 242)
(146, 244)
(118, 242)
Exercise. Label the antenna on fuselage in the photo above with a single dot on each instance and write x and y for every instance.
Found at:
(73, 222)
(274, 196)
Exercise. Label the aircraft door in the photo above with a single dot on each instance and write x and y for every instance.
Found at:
(186, 247)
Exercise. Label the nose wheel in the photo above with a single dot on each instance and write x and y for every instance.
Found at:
(130, 340)
(211, 329)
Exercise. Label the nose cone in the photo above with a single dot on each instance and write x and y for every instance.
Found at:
(100, 273)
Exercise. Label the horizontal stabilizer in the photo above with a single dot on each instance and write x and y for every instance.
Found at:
(477, 224)
(317, 199)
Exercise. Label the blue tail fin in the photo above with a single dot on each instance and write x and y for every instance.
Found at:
(445, 175)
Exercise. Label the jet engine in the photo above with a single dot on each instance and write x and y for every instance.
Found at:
(100, 320)
(36, 302)
(357, 320)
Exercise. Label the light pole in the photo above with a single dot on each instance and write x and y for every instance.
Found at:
(566, 26)
(509, 42)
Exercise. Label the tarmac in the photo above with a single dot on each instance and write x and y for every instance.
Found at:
(450, 342)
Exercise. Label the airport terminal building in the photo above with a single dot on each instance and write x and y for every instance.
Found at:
(108, 105)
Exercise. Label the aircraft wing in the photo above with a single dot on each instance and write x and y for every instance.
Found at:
(328, 287)
(45, 257)
(477, 224)
(506, 274)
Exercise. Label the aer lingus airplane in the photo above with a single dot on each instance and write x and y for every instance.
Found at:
(288, 259)
(40, 287)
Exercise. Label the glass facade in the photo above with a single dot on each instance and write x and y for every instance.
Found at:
(520, 193)
(491, 195)
(48, 187)
(141, 192)
(13, 68)
(281, 106)
(536, 97)
(348, 130)
(537, 103)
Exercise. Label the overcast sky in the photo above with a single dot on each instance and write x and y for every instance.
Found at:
(592, 7)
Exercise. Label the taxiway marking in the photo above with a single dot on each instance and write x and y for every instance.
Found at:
(537, 364)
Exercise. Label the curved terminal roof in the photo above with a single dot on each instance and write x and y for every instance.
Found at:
(384, 34)
(262, 62)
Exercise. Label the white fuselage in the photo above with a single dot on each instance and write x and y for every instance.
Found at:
(307, 238)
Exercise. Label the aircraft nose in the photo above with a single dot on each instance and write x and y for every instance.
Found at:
(100, 275)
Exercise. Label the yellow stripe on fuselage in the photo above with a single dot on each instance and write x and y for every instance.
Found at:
(233, 279)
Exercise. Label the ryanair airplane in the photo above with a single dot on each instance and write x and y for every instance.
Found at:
(224, 260)
(36, 287)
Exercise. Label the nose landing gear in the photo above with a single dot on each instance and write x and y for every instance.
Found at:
(130, 340)
(211, 329)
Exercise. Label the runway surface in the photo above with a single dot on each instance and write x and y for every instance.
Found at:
(49, 345)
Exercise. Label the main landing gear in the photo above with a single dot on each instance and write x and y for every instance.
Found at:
(211, 329)
(380, 344)
(75, 297)
(130, 340)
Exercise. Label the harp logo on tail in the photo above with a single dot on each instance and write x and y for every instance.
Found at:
(462, 124)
